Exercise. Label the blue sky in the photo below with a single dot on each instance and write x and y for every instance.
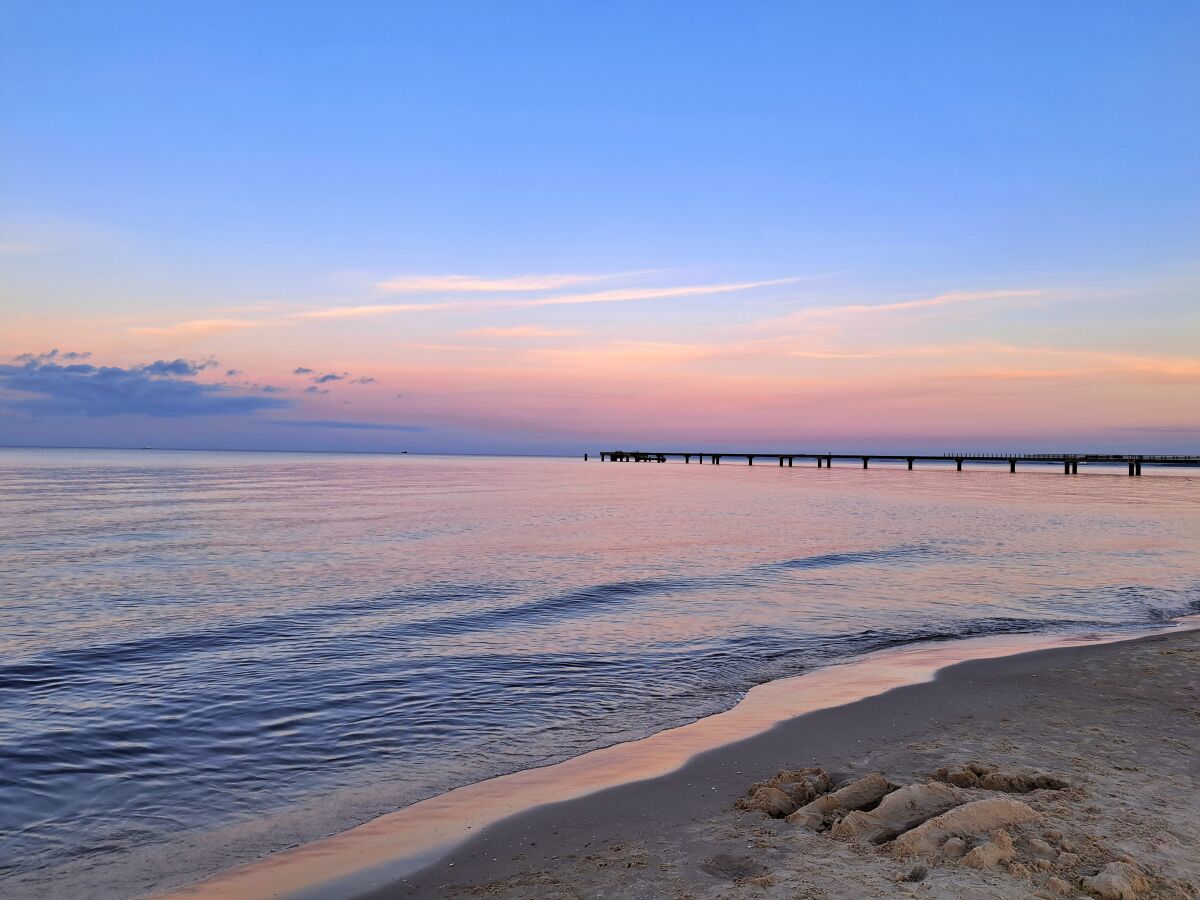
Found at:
(244, 166)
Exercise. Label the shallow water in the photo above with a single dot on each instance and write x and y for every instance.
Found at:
(194, 643)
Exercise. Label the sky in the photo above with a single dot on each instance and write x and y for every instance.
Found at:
(555, 227)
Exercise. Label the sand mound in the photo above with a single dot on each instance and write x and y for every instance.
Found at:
(990, 778)
(782, 795)
(964, 817)
(861, 794)
(899, 812)
(969, 820)
(1116, 881)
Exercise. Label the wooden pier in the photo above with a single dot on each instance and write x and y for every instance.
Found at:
(1069, 461)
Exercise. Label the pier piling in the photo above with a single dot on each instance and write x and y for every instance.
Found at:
(1070, 461)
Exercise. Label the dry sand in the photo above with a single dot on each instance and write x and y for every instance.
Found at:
(1118, 723)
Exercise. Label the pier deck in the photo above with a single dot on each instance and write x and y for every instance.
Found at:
(1069, 461)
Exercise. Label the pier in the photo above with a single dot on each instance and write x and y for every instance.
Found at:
(1069, 461)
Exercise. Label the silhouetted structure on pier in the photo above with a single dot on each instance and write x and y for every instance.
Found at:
(1070, 461)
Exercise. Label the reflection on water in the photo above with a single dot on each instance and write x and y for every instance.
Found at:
(194, 643)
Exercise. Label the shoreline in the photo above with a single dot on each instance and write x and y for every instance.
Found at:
(437, 834)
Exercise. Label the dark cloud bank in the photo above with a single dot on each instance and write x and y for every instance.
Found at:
(163, 388)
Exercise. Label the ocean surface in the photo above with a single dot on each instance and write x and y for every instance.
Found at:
(208, 656)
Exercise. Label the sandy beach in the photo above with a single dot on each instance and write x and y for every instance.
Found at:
(1115, 726)
(1067, 771)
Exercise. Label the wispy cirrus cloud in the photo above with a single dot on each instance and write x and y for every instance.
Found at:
(453, 348)
(948, 299)
(1053, 363)
(372, 309)
(475, 284)
(194, 328)
(854, 310)
(522, 331)
(816, 354)
(616, 295)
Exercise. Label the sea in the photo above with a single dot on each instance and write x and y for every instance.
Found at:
(208, 656)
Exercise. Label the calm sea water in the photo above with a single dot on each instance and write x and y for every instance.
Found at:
(207, 656)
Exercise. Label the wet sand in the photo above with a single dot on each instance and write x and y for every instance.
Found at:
(1120, 723)
(1116, 721)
